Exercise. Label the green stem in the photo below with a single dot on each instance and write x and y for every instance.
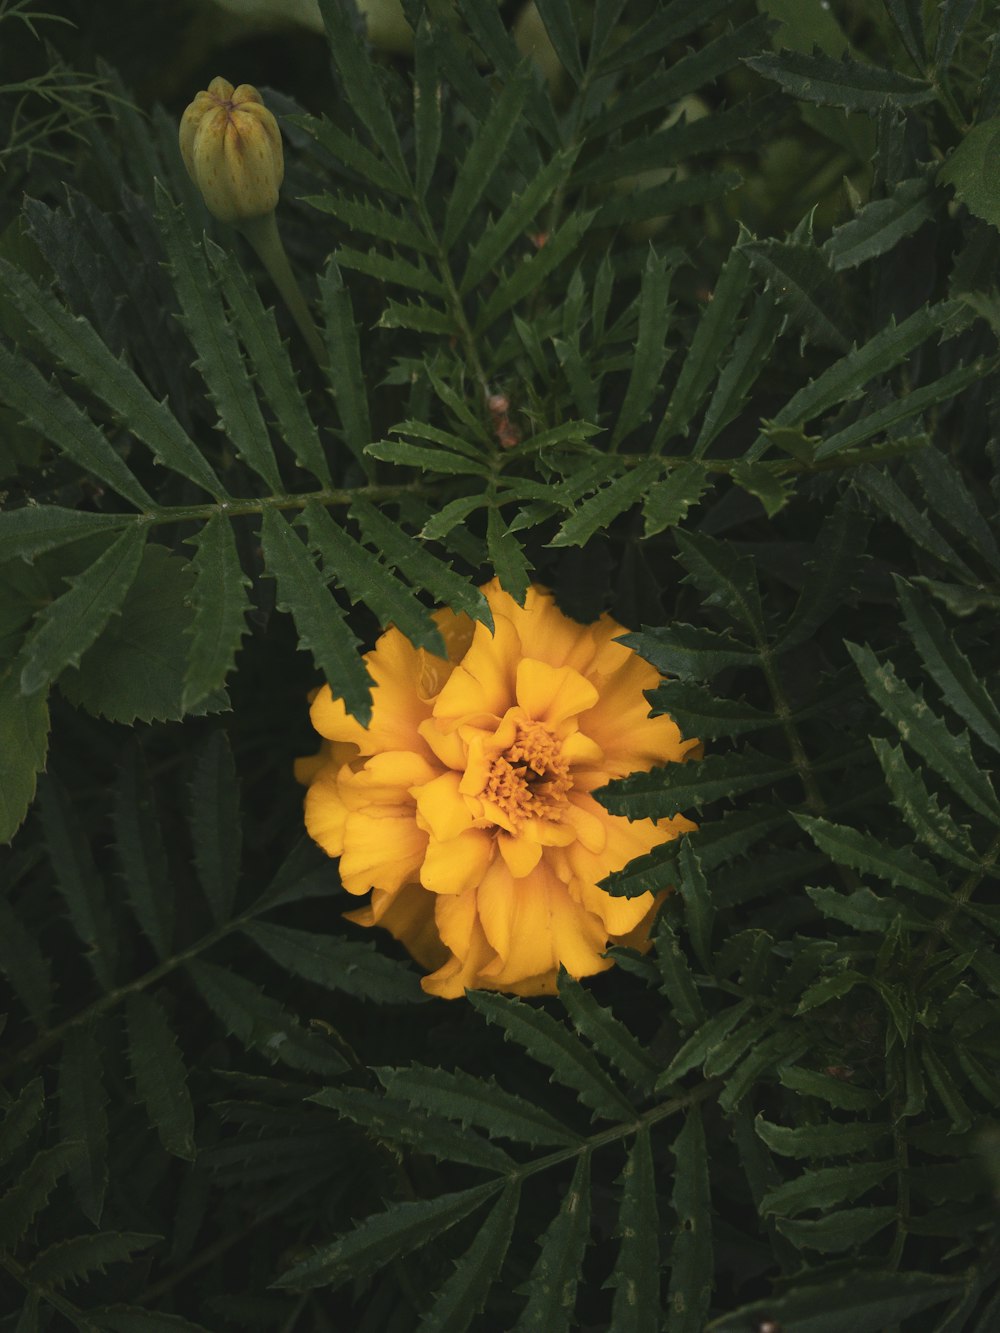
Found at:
(262, 233)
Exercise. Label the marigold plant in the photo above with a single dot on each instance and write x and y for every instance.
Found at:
(467, 807)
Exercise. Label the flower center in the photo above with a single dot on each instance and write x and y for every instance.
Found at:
(530, 779)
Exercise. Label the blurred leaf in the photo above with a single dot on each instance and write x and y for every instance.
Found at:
(691, 1260)
(24, 739)
(160, 1075)
(846, 83)
(552, 1287)
(969, 170)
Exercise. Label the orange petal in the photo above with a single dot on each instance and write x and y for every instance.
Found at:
(380, 852)
(326, 814)
(458, 864)
(520, 854)
(552, 694)
(441, 807)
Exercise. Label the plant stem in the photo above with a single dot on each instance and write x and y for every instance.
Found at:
(262, 233)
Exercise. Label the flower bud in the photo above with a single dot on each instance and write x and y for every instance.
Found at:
(231, 147)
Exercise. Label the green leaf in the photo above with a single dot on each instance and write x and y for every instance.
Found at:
(864, 910)
(840, 1230)
(474, 1101)
(603, 508)
(272, 366)
(650, 353)
(552, 1287)
(45, 408)
(677, 981)
(970, 170)
(220, 605)
(418, 316)
(36, 528)
(953, 15)
(426, 106)
(750, 355)
(907, 15)
(393, 1122)
(726, 579)
(836, 1092)
(418, 566)
(24, 741)
(78, 880)
(865, 1302)
(668, 24)
(880, 225)
(220, 363)
(366, 579)
(345, 148)
(949, 496)
(83, 1119)
(21, 1118)
(949, 756)
(502, 233)
(450, 516)
(132, 1319)
(428, 460)
(825, 1187)
(691, 1264)
(68, 626)
(703, 1043)
(609, 1037)
(845, 83)
(320, 622)
(948, 666)
(698, 910)
(465, 1292)
(862, 852)
(391, 268)
(655, 202)
(373, 219)
(485, 153)
(933, 825)
(840, 546)
(699, 713)
(25, 966)
(669, 498)
(636, 1274)
(383, 1237)
(76, 1259)
(262, 1024)
(689, 652)
(676, 788)
(884, 419)
(77, 345)
(141, 852)
(650, 873)
(30, 1192)
(344, 365)
(530, 273)
(135, 669)
(337, 964)
(160, 1075)
(784, 1045)
(562, 26)
(800, 278)
(507, 556)
(897, 505)
(551, 1043)
(831, 1139)
(216, 834)
(767, 482)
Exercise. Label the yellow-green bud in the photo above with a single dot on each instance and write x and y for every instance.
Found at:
(231, 146)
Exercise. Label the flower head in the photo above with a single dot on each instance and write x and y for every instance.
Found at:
(231, 147)
(466, 804)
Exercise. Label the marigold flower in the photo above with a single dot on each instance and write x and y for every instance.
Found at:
(465, 805)
(231, 147)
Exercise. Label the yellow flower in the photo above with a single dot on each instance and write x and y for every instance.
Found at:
(465, 805)
(231, 147)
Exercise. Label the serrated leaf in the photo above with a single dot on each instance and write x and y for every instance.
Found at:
(344, 148)
(674, 789)
(383, 1237)
(160, 1075)
(840, 545)
(690, 652)
(862, 852)
(845, 83)
(840, 1230)
(34, 529)
(604, 507)
(649, 873)
(866, 1302)
(885, 418)
(418, 566)
(658, 201)
(366, 579)
(142, 854)
(450, 516)
(426, 105)
(670, 497)
(321, 624)
(216, 833)
(667, 24)
(24, 743)
(272, 366)
(527, 276)
(864, 910)
(507, 556)
(474, 1101)
(890, 497)
(950, 756)
(225, 374)
(74, 1260)
(78, 880)
(371, 219)
(751, 353)
(880, 225)
(825, 1187)
(933, 825)
(691, 1270)
(465, 1292)
(554, 1279)
(43, 406)
(677, 981)
(836, 1092)
(67, 627)
(767, 482)
(953, 15)
(608, 1035)
(726, 579)
(83, 1119)
(21, 1119)
(74, 342)
(703, 1043)
(30, 1192)
(133, 1319)
(803, 285)
(344, 364)
(946, 491)
(337, 964)
(700, 713)
(969, 170)
(550, 1043)
(418, 316)
(392, 269)
(636, 1274)
(650, 352)
(405, 454)
(220, 605)
(392, 1121)
(261, 1023)
(786, 1044)
(829, 1139)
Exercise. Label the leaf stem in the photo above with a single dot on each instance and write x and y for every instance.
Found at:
(263, 235)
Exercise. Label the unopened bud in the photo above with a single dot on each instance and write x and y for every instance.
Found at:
(231, 147)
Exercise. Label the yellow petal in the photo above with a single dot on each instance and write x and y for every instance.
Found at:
(483, 685)
(441, 807)
(588, 820)
(520, 854)
(380, 852)
(552, 694)
(409, 917)
(326, 814)
(458, 864)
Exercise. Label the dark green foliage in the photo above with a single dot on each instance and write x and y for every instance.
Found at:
(697, 325)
